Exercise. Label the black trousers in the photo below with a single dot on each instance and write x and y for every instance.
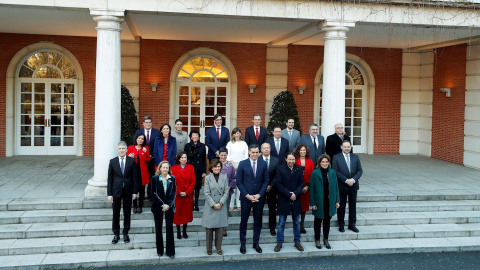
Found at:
(151, 173)
(317, 223)
(257, 218)
(170, 243)
(127, 207)
(352, 207)
(141, 196)
(272, 208)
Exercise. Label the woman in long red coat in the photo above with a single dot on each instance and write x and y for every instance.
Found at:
(185, 179)
(142, 155)
(301, 158)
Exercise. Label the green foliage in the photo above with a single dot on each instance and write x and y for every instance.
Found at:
(283, 107)
(129, 120)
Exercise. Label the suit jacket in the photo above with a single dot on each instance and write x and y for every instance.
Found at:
(333, 144)
(293, 141)
(250, 137)
(272, 169)
(117, 181)
(160, 196)
(246, 183)
(171, 150)
(213, 143)
(288, 181)
(340, 166)
(215, 193)
(314, 153)
(283, 149)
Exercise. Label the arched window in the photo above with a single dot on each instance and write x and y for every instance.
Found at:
(47, 64)
(203, 69)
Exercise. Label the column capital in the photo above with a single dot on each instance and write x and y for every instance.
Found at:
(107, 12)
(335, 30)
(107, 19)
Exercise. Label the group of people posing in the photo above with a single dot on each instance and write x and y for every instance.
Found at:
(288, 172)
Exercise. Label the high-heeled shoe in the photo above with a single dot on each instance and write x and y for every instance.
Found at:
(327, 245)
(317, 244)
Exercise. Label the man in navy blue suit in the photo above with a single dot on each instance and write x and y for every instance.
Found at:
(256, 134)
(315, 142)
(349, 170)
(150, 135)
(278, 145)
(217, 137)
(252, 181)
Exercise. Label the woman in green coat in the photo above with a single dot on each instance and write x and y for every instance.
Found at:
(324, 198)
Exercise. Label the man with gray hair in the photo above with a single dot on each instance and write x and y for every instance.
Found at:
(334, 141)
(121, 186)
(315, 142)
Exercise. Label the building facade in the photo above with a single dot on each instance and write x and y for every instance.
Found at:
(403, 77)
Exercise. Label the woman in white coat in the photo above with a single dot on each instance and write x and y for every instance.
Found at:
(237, 151)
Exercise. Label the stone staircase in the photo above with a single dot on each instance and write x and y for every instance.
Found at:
(76, 232)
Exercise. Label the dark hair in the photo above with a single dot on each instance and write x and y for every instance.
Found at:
(323, 156)
(169, 127)
(257, 114)
(276, 127)
(235, 130)
(290, 153)
(253, 146)
(147, 118)
(297, 150)
(222, 149)
(179, 155)
(144, 139)
(289, 119)
(178, 120)
(344, 141)
(192, 132)
(216, 116)
(214, 163)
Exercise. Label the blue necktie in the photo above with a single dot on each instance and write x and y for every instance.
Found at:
(122, 166)
(254, 170)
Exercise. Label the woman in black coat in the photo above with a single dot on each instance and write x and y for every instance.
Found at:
(197, 156)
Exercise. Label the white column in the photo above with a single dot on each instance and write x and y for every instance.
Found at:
(333, 96)
(471, 154)
(107, 96)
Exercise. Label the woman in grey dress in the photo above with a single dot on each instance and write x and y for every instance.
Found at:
(215, 216)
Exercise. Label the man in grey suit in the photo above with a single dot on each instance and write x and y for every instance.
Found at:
(314, 142)
(291, 134)
(349, 170)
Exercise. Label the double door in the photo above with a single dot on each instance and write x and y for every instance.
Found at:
(198, 103)
(46, 117)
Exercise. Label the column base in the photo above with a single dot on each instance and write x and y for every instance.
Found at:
(96, 189)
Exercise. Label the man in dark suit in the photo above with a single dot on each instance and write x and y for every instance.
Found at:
(314, 142)
(121, 185)
(150, 135)
(252, 181)
(271, 192)
(349, 170)
(278, 145)
(291, 134)
(334, 141)
(256, 134)
(217, 136)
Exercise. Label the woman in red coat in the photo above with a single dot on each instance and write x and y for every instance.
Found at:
(301, 155)
(142, 155)
(185, 179)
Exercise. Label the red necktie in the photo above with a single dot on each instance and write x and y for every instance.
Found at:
(218, 133)
(256, 133)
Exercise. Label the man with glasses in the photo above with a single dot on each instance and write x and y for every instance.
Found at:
(334, 141)
(217, 137)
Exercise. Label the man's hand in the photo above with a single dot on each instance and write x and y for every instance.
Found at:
(257, 197)
(293, 197)
(110, 199)
(269, 188)
(134, 196)
(165, 208)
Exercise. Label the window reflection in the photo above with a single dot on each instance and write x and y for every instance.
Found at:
(203, 69)
(47, 64)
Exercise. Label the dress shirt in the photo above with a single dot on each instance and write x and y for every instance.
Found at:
(219, 130)
(269, 159)
(279, 142)
(314, 140)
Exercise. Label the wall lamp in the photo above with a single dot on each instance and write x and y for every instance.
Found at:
(252, 88)
(447, 91)
(154, 86)
(301, 89)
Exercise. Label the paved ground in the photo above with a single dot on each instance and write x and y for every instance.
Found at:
(67, 176)
(449, 260)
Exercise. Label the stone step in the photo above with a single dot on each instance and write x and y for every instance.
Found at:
(188, 254)
(68, 203)
(41, 230)
(105, 214)
(147, 240)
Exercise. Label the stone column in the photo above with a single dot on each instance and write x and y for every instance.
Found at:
(107, 96)
(333, 96)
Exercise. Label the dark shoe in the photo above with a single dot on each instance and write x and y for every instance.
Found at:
(243, 249)
(197, 209)
(257, 248)
(225, 233)
(277, 247)
(219, 252)
(273, 233)
(135, 211)
(302, 230)
(160, 254)
(209, 252)
(327, 245)
(299, 247)
(341, 229)
(172, 257)
(126, 239)
(353, 228)
(179, 235)
(116, 238)
(185, 235)
(317, 244)
(139, 210)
